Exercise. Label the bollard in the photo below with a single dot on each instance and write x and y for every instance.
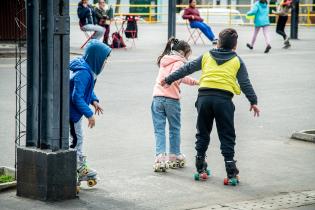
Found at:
(294, 19)
(171, 18)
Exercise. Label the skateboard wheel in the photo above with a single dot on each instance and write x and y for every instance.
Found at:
(91, 183)
(78, 189)
(225, 181)
(233, 181)
(208, 172)
(163, 169)
(196, 177)
(181, 164)
(204, 176)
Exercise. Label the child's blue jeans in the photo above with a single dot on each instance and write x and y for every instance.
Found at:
(206, 30)
(166, 108)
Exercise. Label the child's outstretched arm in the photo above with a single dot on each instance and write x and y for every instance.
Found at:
(247, 88)
(253, 11)
(183, 71)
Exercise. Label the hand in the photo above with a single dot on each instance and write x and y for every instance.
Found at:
(192, 17)
(98, 108)
(91, 122)
(162, 82)
(255, 109)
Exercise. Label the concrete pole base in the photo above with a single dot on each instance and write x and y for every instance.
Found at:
(46, 175)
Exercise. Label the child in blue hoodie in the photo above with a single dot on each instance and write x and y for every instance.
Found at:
(261, 20)
(83, 73)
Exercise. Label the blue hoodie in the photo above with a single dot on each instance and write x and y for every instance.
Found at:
(82, 73)
(261, 12)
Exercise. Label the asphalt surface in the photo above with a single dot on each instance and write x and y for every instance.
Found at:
(121, 146)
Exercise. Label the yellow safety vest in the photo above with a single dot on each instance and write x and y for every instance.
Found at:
(220, 76)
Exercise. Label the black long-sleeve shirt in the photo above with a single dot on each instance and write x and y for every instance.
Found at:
(221, 56)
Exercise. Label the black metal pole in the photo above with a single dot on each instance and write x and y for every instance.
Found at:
(294, 19)
(65, 57)
(171, 18)
(32, 122)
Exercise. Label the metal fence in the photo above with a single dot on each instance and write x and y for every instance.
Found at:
(212, 14)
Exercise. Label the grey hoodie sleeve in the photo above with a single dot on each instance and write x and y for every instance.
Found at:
(244, 82)
(185, 70)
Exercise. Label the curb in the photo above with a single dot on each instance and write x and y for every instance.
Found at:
(304, 135)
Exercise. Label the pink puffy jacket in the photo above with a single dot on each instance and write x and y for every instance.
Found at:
(169, 64)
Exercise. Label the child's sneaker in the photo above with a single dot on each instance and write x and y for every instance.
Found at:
(232, 173)
(249, 46)
(267, 48)
(160, 164)
(181, 160)
(85, 173)
(286, 43)
(215, 41)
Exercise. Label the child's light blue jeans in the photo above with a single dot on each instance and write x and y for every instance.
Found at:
(166, 108)
(76, 139)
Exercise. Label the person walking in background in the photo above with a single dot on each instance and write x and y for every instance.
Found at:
(283, 10)
(166, 105)
(88, 20)
(261, 21)
(104, 14)
(192, 14)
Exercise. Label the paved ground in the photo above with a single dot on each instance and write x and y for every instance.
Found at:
(121, 146)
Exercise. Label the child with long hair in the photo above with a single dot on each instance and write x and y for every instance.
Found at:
(166, 105)
(261, 21)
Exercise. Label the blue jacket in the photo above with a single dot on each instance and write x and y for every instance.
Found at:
(83, 72)
(261, 12)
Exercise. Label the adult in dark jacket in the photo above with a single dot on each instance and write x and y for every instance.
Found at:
(88, 20)
(192, 14)
(104, 15)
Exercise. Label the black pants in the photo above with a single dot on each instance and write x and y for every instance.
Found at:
(282, 20)
(220, 108)
(73, 135)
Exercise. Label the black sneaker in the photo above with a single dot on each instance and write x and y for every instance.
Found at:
(267, 48)
(249, 46)
(215, 41)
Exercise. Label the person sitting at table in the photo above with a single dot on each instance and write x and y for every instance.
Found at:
(195, 21)
(104, 14)
(87, 18)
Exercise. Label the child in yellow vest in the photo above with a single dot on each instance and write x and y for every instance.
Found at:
(223, 75)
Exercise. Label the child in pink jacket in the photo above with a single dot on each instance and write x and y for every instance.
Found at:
(166, 105)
